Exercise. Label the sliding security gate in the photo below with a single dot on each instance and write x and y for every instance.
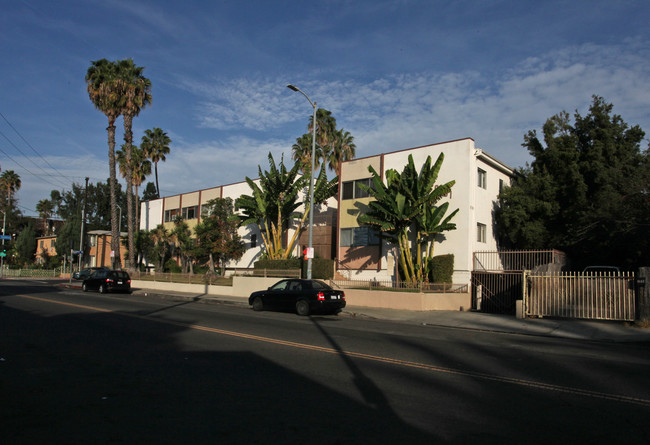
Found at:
(597, 296)
(496, 292)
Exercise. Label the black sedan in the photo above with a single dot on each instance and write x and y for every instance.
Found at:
(303, 296)
(108, 281)
(85, 273)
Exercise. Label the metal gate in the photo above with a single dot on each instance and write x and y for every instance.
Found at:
(496, 292)
(595, 296)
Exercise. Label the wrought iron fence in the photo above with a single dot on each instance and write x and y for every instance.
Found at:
(595, 296)
(510, 260)
(400, 286)
(31, 273)
(208, 278)
(211, 278)
(277, 273)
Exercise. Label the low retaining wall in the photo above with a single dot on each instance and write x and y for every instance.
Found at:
(243, 286)
(409, 301)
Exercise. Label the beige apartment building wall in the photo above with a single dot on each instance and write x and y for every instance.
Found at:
(475, 205)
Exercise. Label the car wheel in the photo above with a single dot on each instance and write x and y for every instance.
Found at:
(258, 304)
(84, 287)
(302, 307)
(102, 289)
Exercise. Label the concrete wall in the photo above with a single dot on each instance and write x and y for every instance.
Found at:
(243, 286)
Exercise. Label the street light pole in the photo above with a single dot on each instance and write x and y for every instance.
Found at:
(311, 180)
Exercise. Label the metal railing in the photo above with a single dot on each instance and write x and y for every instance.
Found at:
(508, 260)
(276, 273)
(400, 286)
(31, 273)
(594, 296)
(185, 278)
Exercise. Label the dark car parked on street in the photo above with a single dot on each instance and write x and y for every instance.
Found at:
(303, 296)
(108, 281)
(85, 273)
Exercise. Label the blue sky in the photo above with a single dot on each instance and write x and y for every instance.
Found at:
(396, 74)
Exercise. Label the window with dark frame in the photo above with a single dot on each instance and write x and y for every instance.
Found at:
(482, 178)
(352, 190)
(481, 230)
(359, 236)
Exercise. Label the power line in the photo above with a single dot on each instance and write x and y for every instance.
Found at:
(30, 145)
(26, 157)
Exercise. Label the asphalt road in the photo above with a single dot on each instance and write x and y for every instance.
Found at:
(82, 367)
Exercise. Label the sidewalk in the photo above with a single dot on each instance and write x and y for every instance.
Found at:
(610, 331)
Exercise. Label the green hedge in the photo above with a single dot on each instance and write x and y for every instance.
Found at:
(321, 268)
(288, 264)
(442, 268)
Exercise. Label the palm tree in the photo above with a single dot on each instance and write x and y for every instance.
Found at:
(10, 181)
(325, 127)
(342, 149)
(160, 238)
(45, 208)
(301, 153)
(104, 93)
(332, 146)
(155, 144)
(140, 169)
(136, 95)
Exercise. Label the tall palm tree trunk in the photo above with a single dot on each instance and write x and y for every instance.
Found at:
(128, 139)
(115, 236)
(155, 165)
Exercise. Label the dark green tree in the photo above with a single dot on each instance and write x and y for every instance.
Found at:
(67, 238)
(585, 193)
(98, 214)
(217, 233)
(183, 245)
(26, 244)
(149, 192)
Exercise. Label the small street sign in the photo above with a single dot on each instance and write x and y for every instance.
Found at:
(2, 254)
(5, 237)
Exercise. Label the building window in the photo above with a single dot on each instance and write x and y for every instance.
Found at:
(482, 179)
(190, 212)
(351, 189)
(359, 236)
(253, 240)
(481, 233)
(348, 190)
(170, 215)
(500, 186)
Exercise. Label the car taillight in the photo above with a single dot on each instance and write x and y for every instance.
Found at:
(108, 280)
(321, 296)
(342, 295)
(128, 281)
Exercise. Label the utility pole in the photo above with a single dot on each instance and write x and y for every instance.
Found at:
(83, 220)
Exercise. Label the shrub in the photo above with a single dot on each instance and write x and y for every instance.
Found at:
(288, 264)
(442, 268)
(321, 268)
(172, 266)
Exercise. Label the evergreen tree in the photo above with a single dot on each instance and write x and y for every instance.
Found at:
(585, 193)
